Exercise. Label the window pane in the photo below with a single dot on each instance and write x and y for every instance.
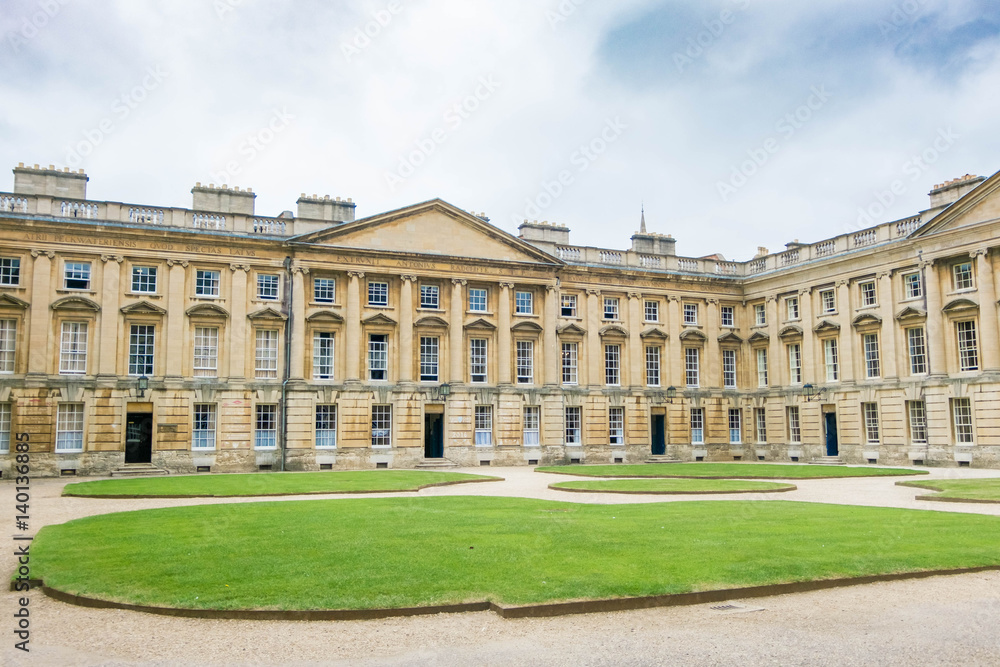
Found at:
(10, 271)
(326, 426)
(206, 351)
(531, 425)
(378, 294)
(266, 354)
(378, 357)
(206, 283)
(5, 417)
(430, 296)
(569, 359)
(525, 361)
(69, 427)
(381, 425)
(616, 426)
(203, 433)
(968, 349)
(266, 428)
(429, 349)
(140, 350)
(572, 421)
(267, 287)
(484, 425)
(144, 279)
(324, 290)
(653, 366)
(323, 355)
(477, 360)
(73, 348)
(8, 343)
(612, 365)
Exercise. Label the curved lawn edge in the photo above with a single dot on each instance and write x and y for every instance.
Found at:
(134, 496)
(514, 611)
(554, 487)
(765, 479)
(946, 499)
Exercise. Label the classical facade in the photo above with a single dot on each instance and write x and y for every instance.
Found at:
(212, 338)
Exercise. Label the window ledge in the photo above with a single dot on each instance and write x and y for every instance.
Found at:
(325, 304)
(372, 306)
(67, 290)
(424, 309)
(144, 295)
(481, 313)
(529, 315)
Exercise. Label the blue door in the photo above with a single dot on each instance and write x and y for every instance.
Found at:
(831, 434)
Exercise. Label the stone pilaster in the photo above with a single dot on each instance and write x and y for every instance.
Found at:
(987, 310)
(456, 331)
(238, 325)
(503, 335)
(595, 357)
(406, 328)
(847, 338)
(935, 323)
(296, 365)
(352, 328)
(635, 352)
(38, 332)
(551, 353)
(176, 317)
(108, 346)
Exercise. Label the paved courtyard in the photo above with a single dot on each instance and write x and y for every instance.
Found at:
(936, 621)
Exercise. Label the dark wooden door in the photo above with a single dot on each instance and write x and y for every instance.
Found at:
(139, 437)
(659, 436)
(433, 436)
(832, 448)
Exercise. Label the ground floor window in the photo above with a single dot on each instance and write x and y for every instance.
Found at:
(918, 422)
(203, 433)
(760, 420)
(573, 426)
(735, 426)
(69, 427)
(531, 424)
(870, 411)
(697, 425)
(484, 425)
(616, 426)
(5, 427)
(265, 434)
(381, 425)
(962, 415)
(794, 425)
(326, 426)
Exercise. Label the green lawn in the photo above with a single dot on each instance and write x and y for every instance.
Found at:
(660, 485)
(725, 471)
(978, 490)
(397, 552)
(269, 484)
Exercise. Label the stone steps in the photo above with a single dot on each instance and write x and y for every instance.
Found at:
(662, 459)
(827, 461)
(434, 464)
(138, 470)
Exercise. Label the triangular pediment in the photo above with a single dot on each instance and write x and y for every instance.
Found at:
(267, 314)
(911, 313)
(9, 301)
(207, 310)
(431, 228)
(379, 318)
(614, 330)
(693, 334)
(75, 303)
(325, 316)
(431, 321)
(143, 308)
(758, 336)
(959, 305)
(570, 330)
(826, 326)
(867, 320)
(526, 327)
(981, 205)
(730, 337)
(480, 324)
(654, 332)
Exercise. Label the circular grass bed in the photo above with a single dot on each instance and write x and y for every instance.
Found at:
(672, 486)
(726, 471)
(270, 484)
(385, 553)
(960, 490)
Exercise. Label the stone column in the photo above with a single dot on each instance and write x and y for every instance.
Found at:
(810, 375)
(987, 310)
(296, 368)
(39, 321)
(456, 331)
(108, 345)
(176, 319)
(636, 378)
(712, 375)
(935, 324)
(503, 334)
(777, 358)
(552, 353)
(352, 327)
(406, 328)
(847, 337)
(888, 326)
(595, 356)
(672, 365)
(238, 326)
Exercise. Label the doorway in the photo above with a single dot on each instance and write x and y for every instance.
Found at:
(659, 435)
(139, 437)
(832, 448)
(433, 436)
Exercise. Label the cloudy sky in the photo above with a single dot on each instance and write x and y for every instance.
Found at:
(737, 123)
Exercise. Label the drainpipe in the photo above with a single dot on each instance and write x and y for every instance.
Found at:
(282, 430)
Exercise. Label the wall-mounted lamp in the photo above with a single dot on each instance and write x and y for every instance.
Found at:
(444, 389)
(143, 385)
(812, 393)
(671, 394)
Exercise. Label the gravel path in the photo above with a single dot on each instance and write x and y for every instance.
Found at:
(937, 621)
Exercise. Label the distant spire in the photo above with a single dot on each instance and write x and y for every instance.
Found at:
(642, 221)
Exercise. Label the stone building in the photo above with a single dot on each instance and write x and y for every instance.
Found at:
(217, 339)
